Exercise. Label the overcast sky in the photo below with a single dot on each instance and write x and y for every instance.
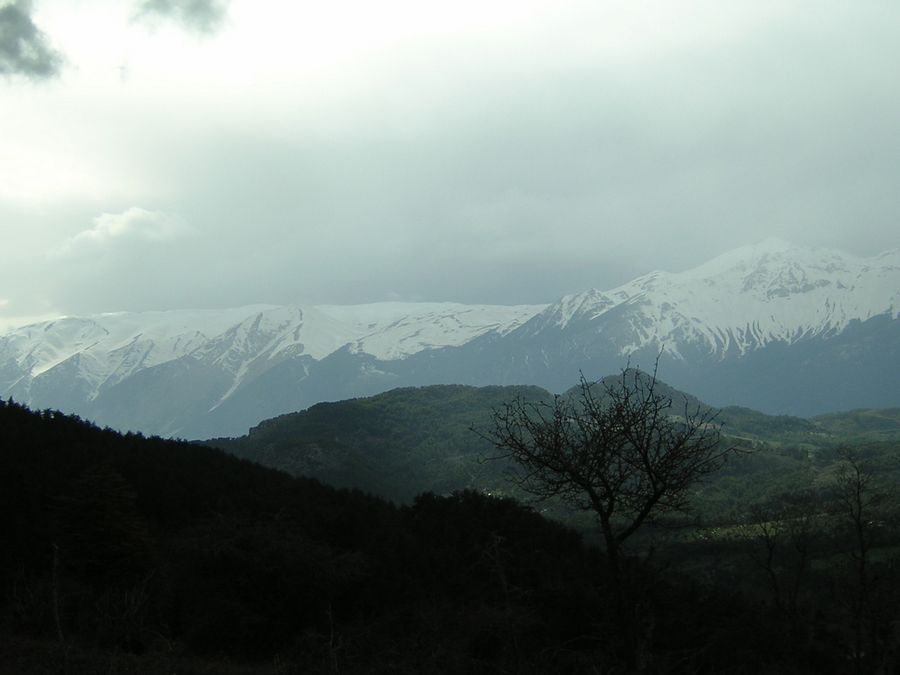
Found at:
(158, 154)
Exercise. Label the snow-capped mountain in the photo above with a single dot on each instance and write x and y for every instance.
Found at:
(743, 299)
(772, 326)
(76, 363)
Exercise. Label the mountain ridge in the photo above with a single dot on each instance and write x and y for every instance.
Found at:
(736, 329)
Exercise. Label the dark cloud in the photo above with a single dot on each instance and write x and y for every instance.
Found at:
(203, 16)
(24, 49)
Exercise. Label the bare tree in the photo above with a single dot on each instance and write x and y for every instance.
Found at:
(860, 504)
(618, 448)
(787, 533)
(621, 449)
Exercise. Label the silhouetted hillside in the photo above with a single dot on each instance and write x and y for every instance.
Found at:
(136, 544)
(126, 554)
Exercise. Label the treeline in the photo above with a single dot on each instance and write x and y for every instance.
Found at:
(170, 550)
(821, 561)
(120, 553)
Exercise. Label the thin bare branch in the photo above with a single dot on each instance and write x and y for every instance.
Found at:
(618, 447)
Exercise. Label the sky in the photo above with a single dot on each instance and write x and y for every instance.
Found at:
(159, 154)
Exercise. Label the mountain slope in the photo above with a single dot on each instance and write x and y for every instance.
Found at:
(415, 439)
(396, 444)
(155, 543)
(159, 372)
(776, 327)
(736, 303)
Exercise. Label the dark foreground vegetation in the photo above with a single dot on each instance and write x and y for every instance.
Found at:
(123, 554)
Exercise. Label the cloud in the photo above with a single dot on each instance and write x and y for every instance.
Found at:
(202, 16)
(134, 224)
(24, 49)
(441, 160)
(134, 258)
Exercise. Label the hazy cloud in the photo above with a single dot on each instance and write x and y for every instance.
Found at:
(134, 256)
(24, 49)
(477, 152)
(203, 16)
(130, 225)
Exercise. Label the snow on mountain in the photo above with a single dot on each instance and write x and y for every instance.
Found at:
(115, 344)
(214, 372)
(743, 299)
(244, 341)
(394, 330)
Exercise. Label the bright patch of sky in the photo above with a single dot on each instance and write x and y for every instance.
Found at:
(164, 154)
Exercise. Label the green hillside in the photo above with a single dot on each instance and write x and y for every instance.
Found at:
(874, 425)
(411, 440)
(396, 445)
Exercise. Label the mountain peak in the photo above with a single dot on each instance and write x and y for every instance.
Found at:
(744, 257)
(587, 304)
(114, 366)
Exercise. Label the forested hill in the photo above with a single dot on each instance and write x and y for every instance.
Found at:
(132, 554)
(124, 554)
(396, 444)
(412, 440)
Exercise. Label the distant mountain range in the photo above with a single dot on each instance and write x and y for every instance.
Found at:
(775, 327)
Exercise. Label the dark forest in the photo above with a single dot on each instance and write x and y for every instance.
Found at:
(126, 554)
